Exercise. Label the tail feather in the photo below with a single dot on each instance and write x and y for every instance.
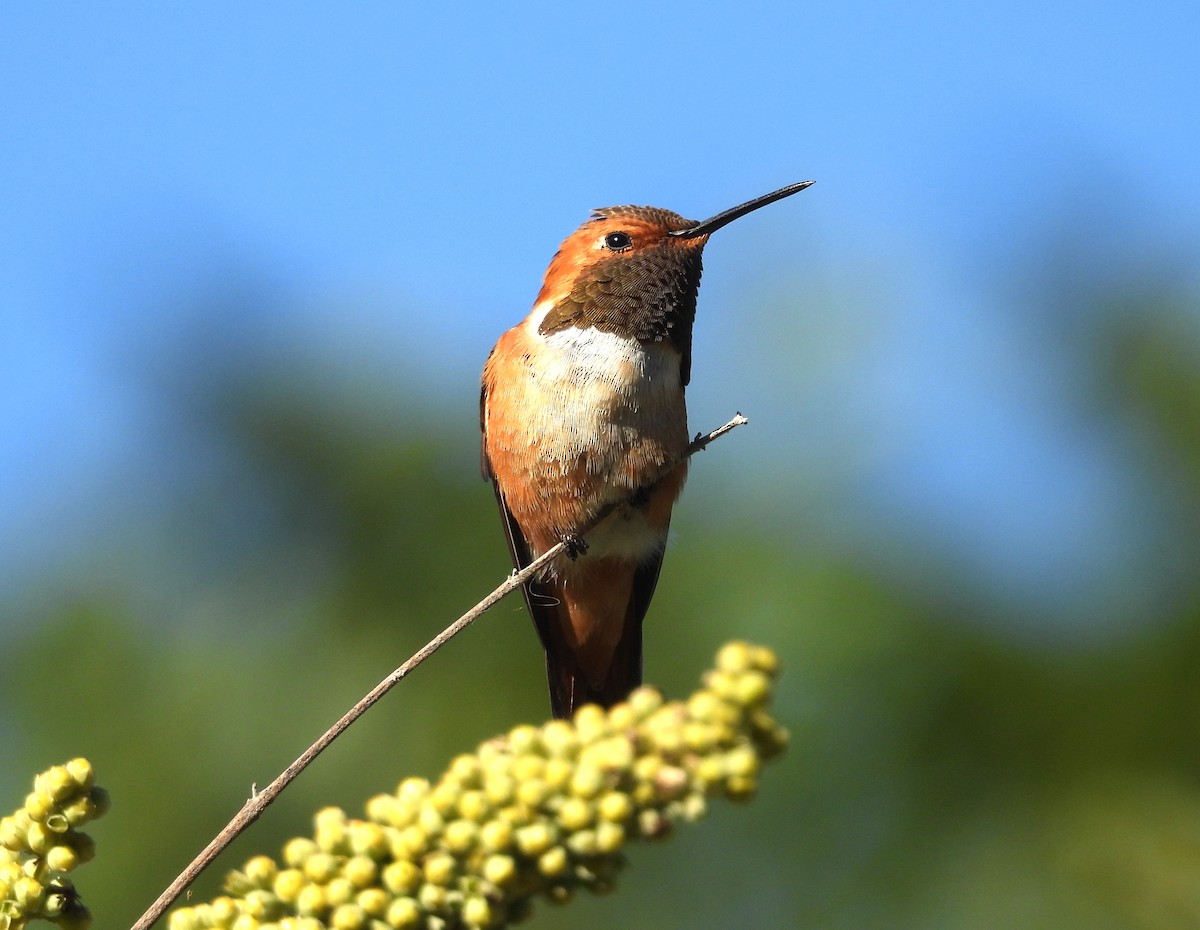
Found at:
(569, 686)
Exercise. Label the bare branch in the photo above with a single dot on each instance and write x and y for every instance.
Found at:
(258, 800)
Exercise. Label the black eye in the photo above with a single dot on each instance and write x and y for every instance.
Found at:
(617, 241)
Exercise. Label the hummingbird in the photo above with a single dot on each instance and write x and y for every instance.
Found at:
(582, 405)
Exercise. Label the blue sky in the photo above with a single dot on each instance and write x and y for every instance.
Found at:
(397, 177)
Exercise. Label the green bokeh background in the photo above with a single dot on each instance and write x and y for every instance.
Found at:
(252, 257)
(944, 772)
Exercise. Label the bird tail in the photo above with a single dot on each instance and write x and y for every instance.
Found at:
(570, 688)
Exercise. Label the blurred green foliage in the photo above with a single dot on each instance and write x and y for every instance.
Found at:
(942, 773)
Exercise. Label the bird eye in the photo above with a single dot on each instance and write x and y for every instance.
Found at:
(617, 241)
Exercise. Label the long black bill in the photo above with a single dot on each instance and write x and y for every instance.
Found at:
(712, 224)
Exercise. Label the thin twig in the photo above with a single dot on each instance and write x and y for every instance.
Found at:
(258, 800)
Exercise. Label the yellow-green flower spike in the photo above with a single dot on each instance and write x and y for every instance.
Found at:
(42, 842)
(535, 814)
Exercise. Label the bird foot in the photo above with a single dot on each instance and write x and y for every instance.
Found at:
(575, 545)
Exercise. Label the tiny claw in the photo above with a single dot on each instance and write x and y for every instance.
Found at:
(576, 546)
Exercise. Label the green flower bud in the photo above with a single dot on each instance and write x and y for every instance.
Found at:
(368, 839)
(553, 862)
(57, 783)
(615, 807)
(413, 789)
(575, 814)
(670, 783)
(765, 660)
(402, 877)
(588, 780)
(614, 755)
(261, 870)
(431, 821)
(535, 839)
(246, 922)
(223, 910)
(583, 843)
(693, 807)
(710, 773)
(461, 836)
(723, 684)
(288, 884)
(385, 809)
(39, 840)
(348, 917)
(557, 773)
(528, 767)
(411, 842)
(496, 835)
(330, 830)
(500, 870)
(705, 706)
(532, 793)
(621, 717)
(517, 815)
(320, 867)
(643, 701)
(741, 788)
(62, 859)
(440, 869)
(753, 689)
(525, 739)
(361, 871)
(12, 832)
(340, 891)
(500, 788)
(609, 836)
(560, 739)
(699, 738)
(373, 901)
(39, 805)
(262, 905)
(478, 912)
(312, 902)
(653, 825)
(29, 894)
(297, 852)
(474, 805)
(185, 918)
(591, 723)
(466, 770)
(433, 897)
(404, 914)
(735, 657)
(80, 810)
(443, 800)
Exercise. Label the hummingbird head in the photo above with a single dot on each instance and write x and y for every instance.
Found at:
(635, 272)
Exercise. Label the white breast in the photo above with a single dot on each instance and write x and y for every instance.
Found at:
(607, 390)
(602, 395)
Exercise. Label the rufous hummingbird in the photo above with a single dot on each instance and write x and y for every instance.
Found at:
(582, 406)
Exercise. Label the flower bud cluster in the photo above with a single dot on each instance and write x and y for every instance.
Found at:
(542, 811)
(42, 842)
